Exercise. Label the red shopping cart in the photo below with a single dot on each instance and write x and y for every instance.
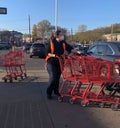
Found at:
(100, 74)
(72, 71)
(83, 73)
(14, 63)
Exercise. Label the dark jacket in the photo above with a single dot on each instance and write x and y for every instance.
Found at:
(58, 49)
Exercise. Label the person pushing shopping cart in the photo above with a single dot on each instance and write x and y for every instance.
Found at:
(57, 47)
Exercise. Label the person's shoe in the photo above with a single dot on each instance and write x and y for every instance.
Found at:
(49, 97)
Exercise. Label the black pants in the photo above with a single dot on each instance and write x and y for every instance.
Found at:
(54, 72)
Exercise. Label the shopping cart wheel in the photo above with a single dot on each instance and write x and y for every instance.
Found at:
(102, 105)
(114, 107)
(5, 80)
(83, 103)
(71, 101)
(25, 75)
(21, 77)
(31, 56)
(60, 99)
(15, 78)
(11, 80)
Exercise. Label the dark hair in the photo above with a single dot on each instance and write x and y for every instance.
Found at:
(58, 32)
(55, 34)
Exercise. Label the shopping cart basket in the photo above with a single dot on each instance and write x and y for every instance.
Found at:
(14, 63)
(86, 72)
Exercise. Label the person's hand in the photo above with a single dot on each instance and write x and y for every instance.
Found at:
(52, 55)
(78, 52)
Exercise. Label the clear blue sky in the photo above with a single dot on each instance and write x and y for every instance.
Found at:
(72, 13)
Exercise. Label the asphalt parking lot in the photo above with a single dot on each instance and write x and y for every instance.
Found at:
(23, 104)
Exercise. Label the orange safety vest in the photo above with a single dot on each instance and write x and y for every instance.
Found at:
(52, 49)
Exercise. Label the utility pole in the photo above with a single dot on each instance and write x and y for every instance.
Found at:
(56, 14)
(112, 32)
(29, 21)
(71, 34)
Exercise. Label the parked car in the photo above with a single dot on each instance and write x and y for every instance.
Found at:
(38, 49)
(27, 46)
(105, 50)
(4, 45)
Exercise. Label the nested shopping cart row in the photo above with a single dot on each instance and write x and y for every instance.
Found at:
(14, 64)
(90, 80)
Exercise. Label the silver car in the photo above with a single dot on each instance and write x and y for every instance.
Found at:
(105, 50)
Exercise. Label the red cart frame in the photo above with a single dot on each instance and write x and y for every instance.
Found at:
(14, 63)
(82, 73)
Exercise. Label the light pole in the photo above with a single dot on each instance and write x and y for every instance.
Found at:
(56, 14)
(29, 21)
(112, 27)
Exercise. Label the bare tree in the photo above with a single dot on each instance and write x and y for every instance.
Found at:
(34, 32)
(43, 28)
(82, 28)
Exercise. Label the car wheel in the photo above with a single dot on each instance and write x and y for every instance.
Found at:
(31, 56)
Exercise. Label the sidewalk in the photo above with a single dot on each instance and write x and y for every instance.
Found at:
(24, 104)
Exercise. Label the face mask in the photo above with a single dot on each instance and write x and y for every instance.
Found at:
(62, 38)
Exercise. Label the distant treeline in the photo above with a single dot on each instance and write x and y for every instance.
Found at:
(96, 34)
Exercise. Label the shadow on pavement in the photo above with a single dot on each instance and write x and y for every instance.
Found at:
(24, 105)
